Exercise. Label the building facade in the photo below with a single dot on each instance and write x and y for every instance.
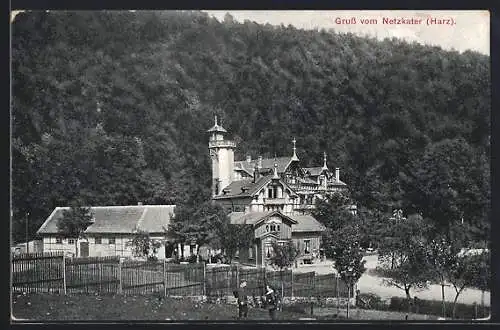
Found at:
(111, 232)
(274, 195)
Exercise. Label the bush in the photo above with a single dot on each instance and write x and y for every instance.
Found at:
(370, 301)
(192, 259)
(220, 258)
(434, 307)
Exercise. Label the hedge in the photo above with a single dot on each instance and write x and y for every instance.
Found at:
(435, 307)
(429, 307)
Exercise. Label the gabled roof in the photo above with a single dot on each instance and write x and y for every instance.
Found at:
(248, 188)
(306, 223)
(300, 222)
(118, 219)
(254, 218)
(337, 183)
(267, 163)
(314, 171)
(244, 188)
(243, 170)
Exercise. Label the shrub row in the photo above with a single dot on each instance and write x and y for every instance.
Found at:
(433, 307)
(420, 306)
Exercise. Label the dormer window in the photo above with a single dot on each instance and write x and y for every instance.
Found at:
(272, 192)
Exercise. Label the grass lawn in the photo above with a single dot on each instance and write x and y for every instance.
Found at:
(53, 307)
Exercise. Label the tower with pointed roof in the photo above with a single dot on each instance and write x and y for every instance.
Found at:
(222, 155)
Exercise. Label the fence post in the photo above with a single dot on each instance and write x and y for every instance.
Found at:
(165, 277)
(204, 279)
(229, 274)
(99, 268)
(314, 284)
(337, 293)
(120, 281)
(291, 283)
(64, 272)
(237, 275)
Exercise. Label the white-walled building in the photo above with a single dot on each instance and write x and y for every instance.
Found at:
(111, 232)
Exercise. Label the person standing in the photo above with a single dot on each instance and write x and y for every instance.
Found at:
(242, 298)
(271, 302)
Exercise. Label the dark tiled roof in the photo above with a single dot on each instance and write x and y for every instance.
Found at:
(253, 218)
(306, 222)
(314, 171)
(118, 219)
(303, 222)
(234, 189)
(250, 218)
(267, 163)
(337, 183)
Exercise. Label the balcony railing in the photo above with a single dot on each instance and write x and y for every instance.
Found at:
(304, 207)
(221, 144)
(274, 201)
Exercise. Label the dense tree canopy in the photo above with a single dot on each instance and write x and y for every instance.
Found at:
(113, 107)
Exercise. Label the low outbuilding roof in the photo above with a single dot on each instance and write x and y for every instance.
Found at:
(118, 219)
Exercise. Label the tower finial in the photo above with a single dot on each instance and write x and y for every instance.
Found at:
(215, 120)
(294, 156)
(324, 161)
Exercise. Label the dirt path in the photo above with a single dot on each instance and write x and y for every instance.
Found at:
(373, 284)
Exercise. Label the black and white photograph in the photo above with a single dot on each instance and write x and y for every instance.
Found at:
(250, 166)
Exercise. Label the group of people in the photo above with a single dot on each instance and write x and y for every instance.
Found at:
(270, 301)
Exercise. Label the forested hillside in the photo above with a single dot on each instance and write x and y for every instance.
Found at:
(113, 108)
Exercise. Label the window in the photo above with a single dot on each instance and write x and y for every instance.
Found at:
(58, 240)
(268, 250)
(97, 240)
(250, 253)
(272, 192)
(267, 228)
(71, 241)
(111, 240)
(307, 246)
(278, 226)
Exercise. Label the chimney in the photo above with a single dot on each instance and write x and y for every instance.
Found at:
(249, 159)
(255, 173)
(337, 174)
(139, 203)
(260, 162)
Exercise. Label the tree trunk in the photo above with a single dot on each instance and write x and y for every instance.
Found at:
(282, 285)
(76, 248)
(408, 297)
(443, 300)
(455, 304)
(482, 303)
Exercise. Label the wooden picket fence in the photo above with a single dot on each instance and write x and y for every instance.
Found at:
(54, 273)
(38, 272)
